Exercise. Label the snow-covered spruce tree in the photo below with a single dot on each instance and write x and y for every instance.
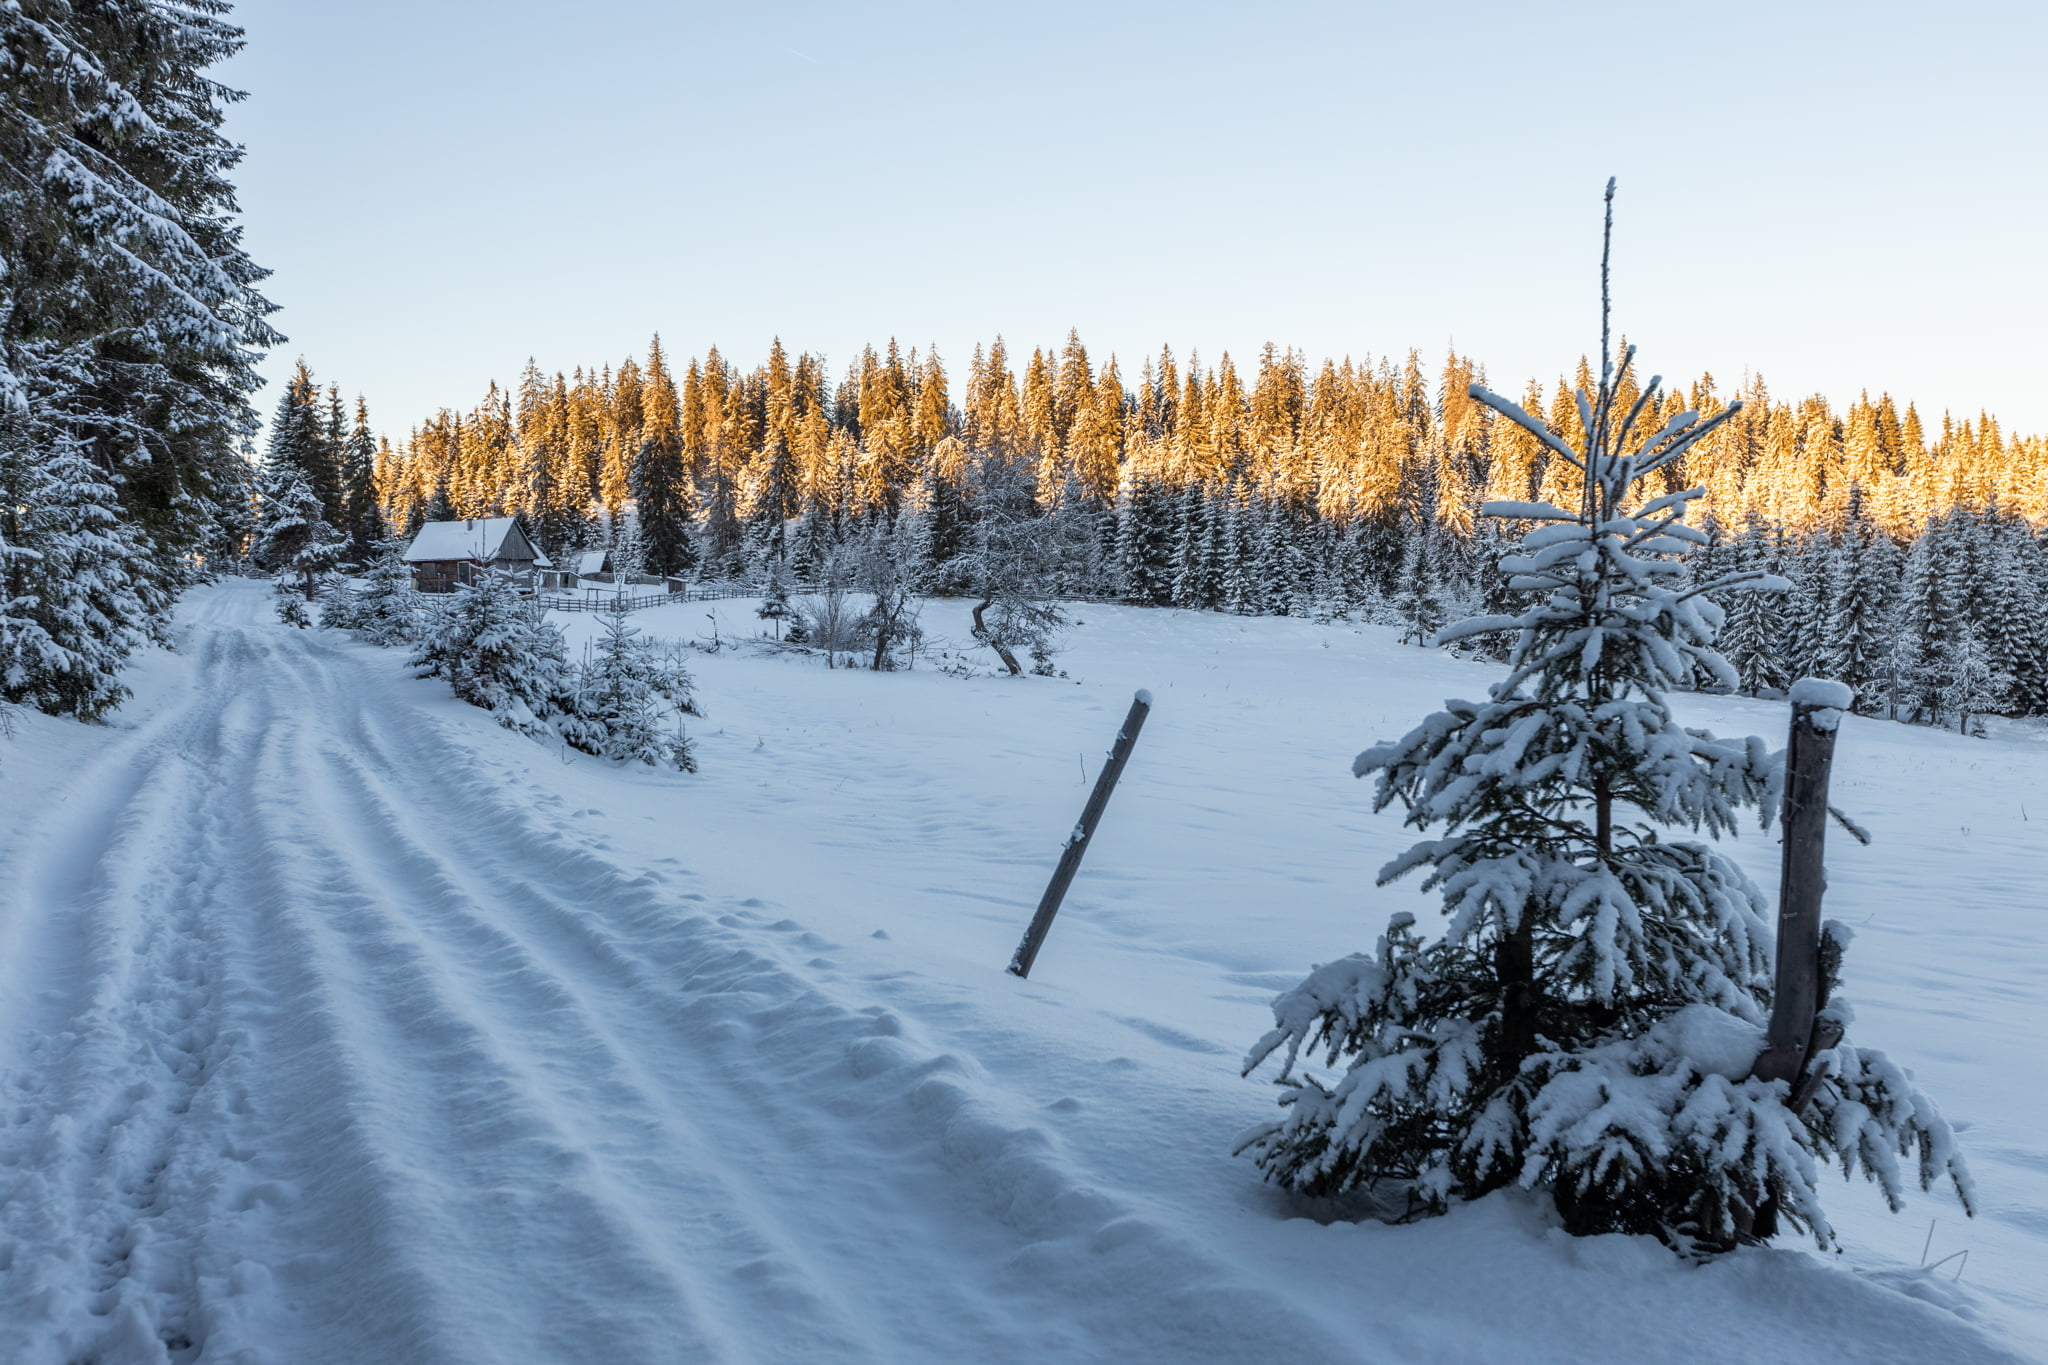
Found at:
(1242, 592)
(1144, 549)
(1589, 1020)
(75, 598)
(362, 518)
(629, 700)
(1194, 576)
(1749, 636)
(129, 318)
(775, 597)
(293, 539)
(1855, 645)
(2014, 633)
(1932, 625)
(943, 528)
(1272, 561)
(811, 547)
(298, 442)
(1805, 608)
(383, 610)
(1420, 604)
(1975, 684)
(498, 651)
(1083, 535)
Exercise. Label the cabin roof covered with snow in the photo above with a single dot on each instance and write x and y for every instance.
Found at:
(591, 561)
(484, 539)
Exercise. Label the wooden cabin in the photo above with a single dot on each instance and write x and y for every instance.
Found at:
(448, 553)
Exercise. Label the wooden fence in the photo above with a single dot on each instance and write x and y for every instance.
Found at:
(602, 595)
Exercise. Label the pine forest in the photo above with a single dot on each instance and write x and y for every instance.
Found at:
(1919, 575)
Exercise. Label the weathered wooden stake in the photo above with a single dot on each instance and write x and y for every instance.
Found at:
(1817, 707)
(1077, 842)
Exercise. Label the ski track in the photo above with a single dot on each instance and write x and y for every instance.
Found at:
(352, 1049)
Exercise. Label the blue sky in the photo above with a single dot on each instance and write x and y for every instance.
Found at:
(1839, 196)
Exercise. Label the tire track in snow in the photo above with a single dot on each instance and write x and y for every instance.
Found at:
(121, 1100)
(775, 1070)
(475, 1092)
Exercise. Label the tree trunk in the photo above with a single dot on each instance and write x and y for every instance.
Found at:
(1796, 997)
(1514, 964)
(981, 634)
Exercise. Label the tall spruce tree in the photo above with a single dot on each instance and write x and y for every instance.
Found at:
(1242, 591)
(1933, 625)
(2015, 628)
(294, 539)
(1749, 637)
(1421, 603)
(129, 319)
(297, 441)
(1145, 543)
(1855, 642)
(775, 503)
(664, 497)
(362, 516)
(1194, 576)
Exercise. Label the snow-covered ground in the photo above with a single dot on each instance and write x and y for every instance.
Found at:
(337, 1024)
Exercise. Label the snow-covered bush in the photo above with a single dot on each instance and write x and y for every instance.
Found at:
(887, 633)
(1011, 567)
(629, 700)
(381, 608)
(827, 619)
(290, 603)
(1588, 1021)
(498, 651)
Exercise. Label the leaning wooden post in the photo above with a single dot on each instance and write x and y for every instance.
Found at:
(1817, 707)
(1077, 842)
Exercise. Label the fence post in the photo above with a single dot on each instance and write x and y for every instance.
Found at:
(1817, 708)
(1077, 842)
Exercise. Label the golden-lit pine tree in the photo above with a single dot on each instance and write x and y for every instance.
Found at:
(622, 440)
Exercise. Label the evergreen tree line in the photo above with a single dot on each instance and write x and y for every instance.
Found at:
(1949, 626)
(130, 326)
(1916, 571)
(318, 504)
(726, 449)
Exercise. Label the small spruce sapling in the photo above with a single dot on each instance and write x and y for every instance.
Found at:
(775, 600)
(629, 700)
(497, 650)
(1588, 1022)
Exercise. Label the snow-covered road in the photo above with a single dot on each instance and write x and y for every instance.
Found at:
(338, 1043)
(336, 1025)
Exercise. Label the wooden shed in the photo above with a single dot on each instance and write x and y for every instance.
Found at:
(447, 553)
